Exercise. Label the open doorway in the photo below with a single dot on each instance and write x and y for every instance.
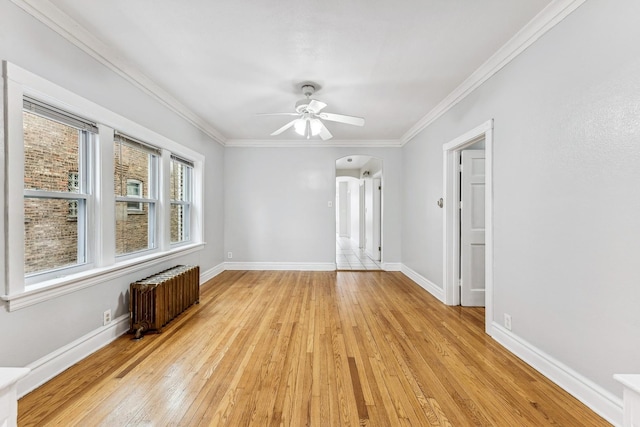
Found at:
(478, 206)
(358, 213)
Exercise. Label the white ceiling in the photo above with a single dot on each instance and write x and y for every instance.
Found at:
(356, 162)
(227, 60)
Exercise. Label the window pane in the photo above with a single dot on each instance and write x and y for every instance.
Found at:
(50, 234)
(179, 223)
(131, 165)
(132, 229)
(50, 154)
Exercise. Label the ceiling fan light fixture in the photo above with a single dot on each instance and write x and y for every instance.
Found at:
(316, 126)
(300, 126)
(308, 127)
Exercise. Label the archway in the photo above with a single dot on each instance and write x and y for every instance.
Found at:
(358, 213)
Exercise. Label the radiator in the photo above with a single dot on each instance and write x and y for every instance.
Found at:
(156, 300)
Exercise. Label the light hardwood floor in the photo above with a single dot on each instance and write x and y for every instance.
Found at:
(308, 348)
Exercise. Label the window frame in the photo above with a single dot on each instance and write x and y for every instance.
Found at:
(105, 265)
(83, 200)
(152, 199)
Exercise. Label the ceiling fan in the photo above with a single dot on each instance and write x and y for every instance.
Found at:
(309, 121)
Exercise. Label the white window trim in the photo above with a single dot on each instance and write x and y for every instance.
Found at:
(19, 83)
(50, 289)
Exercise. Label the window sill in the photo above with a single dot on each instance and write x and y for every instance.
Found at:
(44, 291)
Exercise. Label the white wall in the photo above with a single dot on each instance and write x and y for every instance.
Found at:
(566, 190)
(33, 332)
(276, 203)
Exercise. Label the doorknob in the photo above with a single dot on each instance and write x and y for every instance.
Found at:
(440, 202)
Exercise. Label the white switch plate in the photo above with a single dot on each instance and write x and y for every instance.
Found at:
(229, 255)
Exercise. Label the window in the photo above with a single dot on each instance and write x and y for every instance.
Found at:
(55, 142)
(135, 162)
(63, 230)
(180, 193)
(134, 189)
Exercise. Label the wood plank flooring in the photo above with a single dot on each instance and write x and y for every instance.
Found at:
(308, 348)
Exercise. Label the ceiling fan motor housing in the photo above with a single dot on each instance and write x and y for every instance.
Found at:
(303, 104)
(308, 90)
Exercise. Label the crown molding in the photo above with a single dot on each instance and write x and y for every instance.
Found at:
(47, 13)
(548, 18)
(313, 143)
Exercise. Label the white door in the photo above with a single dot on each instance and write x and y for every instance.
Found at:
(361, 212)
(377, 216)
(472, 229)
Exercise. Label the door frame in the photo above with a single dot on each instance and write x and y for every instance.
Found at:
(361, 200)
(377, 216)
(451, 225)
(362, 239)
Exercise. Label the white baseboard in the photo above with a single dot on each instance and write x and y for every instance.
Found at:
(294, 266)
(392, 266)
(47, 367)
(601, 401)
(423, 282)
(205, 276)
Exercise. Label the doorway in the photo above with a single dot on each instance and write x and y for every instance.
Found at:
(358, 213)
(452, 225)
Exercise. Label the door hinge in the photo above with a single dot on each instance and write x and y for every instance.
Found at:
(379, 187)
(460, 204)
(460, 167)
(379, 248)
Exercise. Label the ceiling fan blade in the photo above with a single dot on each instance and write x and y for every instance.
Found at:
(277, 114)
(285, 127)
(350, 120)
(316, 105)
(324, 132)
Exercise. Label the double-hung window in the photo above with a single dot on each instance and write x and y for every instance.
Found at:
(89, 195)
(57, 188)
(136, 191)
(181, 196)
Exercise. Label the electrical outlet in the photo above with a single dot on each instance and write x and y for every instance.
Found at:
(229, 255)
(106, 317)
(507, 321)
